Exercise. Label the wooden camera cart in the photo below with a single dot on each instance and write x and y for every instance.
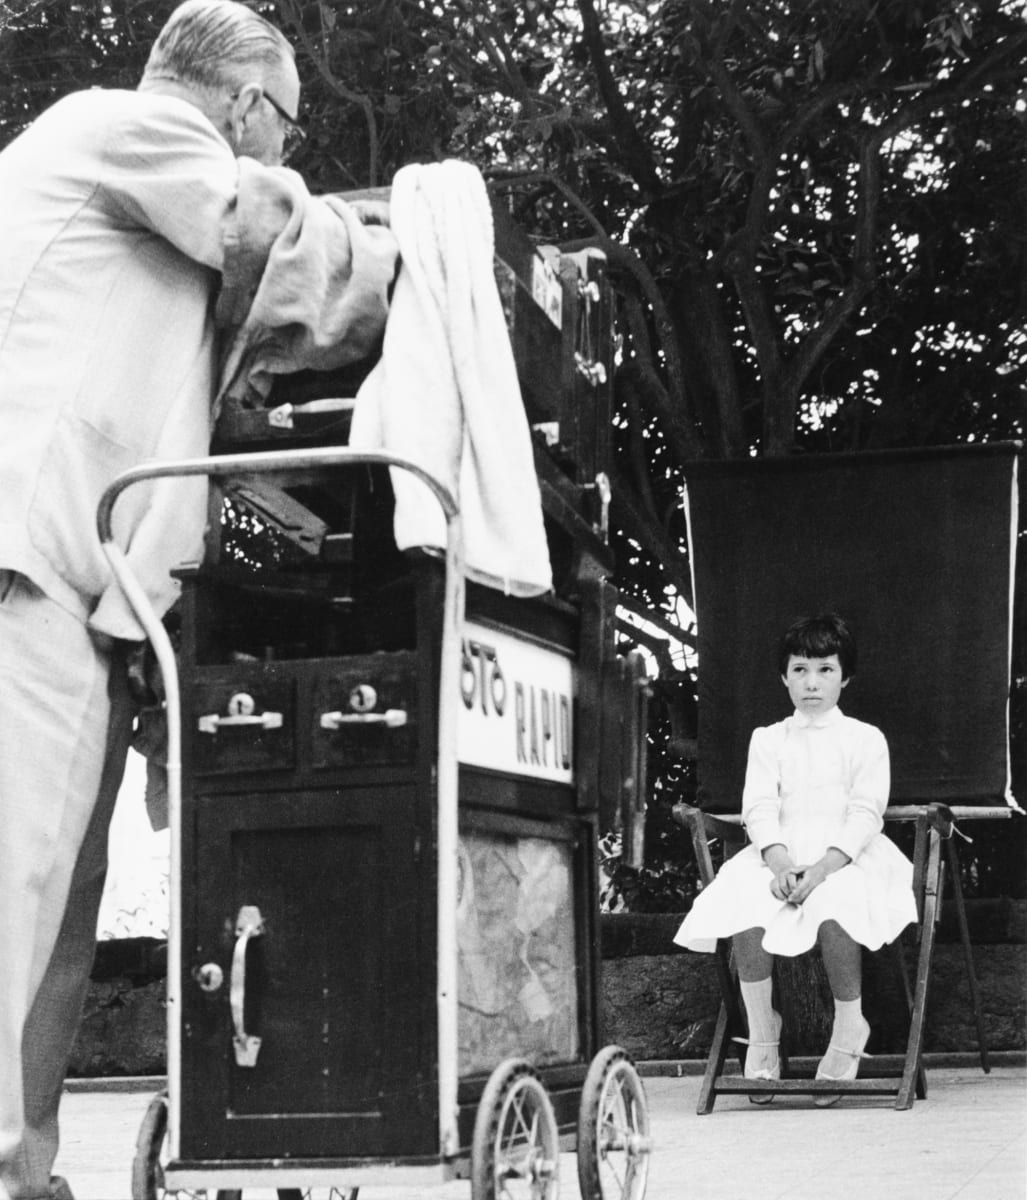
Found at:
(383, 955)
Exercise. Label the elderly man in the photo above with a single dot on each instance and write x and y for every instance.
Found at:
(115, 208)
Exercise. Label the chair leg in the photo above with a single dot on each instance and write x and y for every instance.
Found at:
(964, 937)
(729, 995)
(714, 1063)
(728, 1018)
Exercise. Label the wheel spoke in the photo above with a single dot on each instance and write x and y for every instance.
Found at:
(519, 1125)
(620, 1180)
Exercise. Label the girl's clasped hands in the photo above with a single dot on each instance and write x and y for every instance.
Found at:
(793, 884)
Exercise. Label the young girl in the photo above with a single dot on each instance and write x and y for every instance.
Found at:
(818, 869)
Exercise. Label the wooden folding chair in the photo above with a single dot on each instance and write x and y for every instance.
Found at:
(935, 824)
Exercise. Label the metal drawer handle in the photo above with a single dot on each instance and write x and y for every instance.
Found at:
(282, 416)
(240, 712)
(392, 717)
(249, 923)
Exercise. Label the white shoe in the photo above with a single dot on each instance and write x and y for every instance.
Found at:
(768, 1070)
(826, 1099)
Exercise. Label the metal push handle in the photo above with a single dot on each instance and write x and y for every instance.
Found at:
(266, 461)
(249, 923)
(446, 780)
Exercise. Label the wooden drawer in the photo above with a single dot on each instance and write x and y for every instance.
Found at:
(364, 711)
(245, 721)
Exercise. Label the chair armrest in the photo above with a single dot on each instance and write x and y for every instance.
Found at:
(703, 826)
(723, 825)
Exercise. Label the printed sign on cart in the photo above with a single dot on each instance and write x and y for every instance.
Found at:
(516, 705)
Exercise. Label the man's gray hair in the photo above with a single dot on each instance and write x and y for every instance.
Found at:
(207, 42)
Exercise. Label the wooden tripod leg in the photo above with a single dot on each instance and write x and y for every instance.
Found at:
(899, 951)
(928, 920)
(968, 958)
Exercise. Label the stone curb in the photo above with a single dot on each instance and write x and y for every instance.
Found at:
(648, 1069)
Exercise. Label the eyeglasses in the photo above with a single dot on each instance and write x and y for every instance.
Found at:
(295, 134)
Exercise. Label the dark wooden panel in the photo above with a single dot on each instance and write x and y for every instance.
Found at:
(334, 985)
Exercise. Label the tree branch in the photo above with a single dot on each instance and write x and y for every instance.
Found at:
(637, 153)
(632, 519)
(865, 255)
(291, 13)
(732, 98)
(677, 419)
(740, 253)
(501, 58)
(658, 618)
(711, 344)
(640, 464)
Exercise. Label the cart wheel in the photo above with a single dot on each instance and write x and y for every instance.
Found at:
(148, 1165)
(151, 1154)
(515, 1154)
(613, 1130)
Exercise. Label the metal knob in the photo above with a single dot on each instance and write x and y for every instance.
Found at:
(210, 977)
(363, 698)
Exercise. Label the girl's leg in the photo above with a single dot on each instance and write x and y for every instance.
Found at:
(843, 961)
(752, 961)
(754, 973)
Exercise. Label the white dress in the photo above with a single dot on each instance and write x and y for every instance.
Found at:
(811, 784)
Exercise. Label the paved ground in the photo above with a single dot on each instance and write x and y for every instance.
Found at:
(966, 1141)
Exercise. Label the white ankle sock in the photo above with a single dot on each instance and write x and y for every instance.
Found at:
(764, 1023)
(847, 1032)
(762, 1055)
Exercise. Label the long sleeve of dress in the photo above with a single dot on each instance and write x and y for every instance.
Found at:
(869, 787)
(761, 798)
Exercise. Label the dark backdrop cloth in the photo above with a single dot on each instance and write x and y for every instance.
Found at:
(915, 550)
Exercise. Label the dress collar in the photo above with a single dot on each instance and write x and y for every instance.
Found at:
(825, 721)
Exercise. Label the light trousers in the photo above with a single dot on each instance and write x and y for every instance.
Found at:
(65, 724)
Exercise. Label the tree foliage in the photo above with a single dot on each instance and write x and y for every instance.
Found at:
(815, 211)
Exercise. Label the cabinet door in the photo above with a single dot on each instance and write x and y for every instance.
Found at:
(310, 909)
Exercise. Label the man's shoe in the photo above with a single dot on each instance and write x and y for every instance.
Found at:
(59, 1189)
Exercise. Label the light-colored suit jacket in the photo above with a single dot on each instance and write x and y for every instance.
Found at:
(115, 210)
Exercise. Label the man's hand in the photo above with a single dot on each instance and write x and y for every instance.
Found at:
(371, 212)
